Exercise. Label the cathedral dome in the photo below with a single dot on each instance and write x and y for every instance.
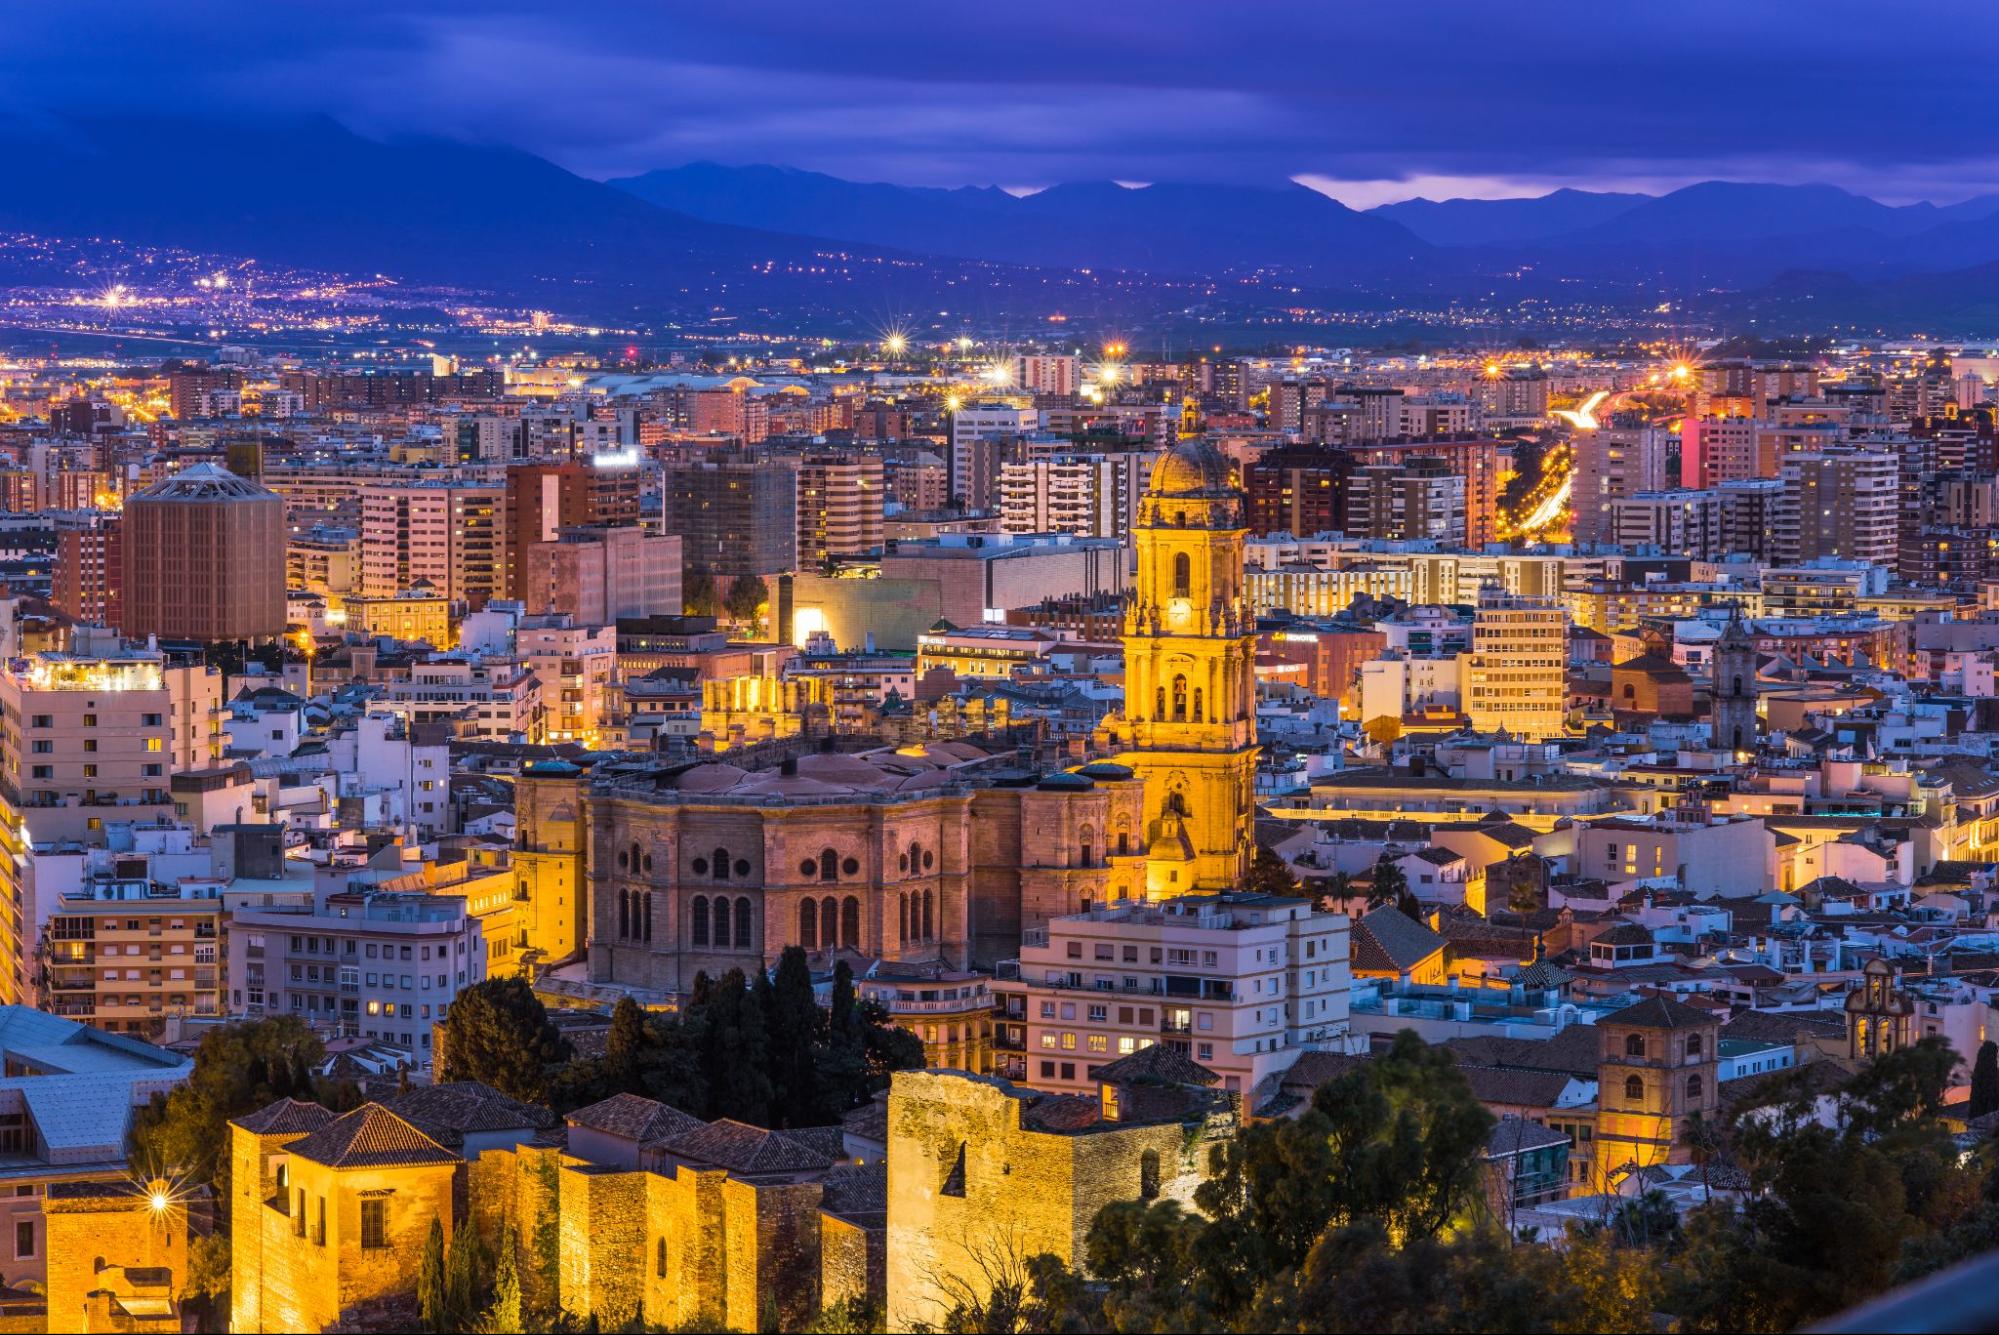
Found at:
(1191, 468)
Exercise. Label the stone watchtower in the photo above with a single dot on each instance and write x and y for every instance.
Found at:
(1656, 1071)
(1733, 712)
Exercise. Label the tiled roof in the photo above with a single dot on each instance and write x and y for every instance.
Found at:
(635, 1117)
(448, 1112)
(1157, 1064)
(1575, 1050)
(284, 1117)
(1062, 1112)
(746, 1150)
(370, 1137)
(1624, 934)
(1659, 1013)
(1390, 939)
(1516, 1087)
(868, 1122)
(1784, 1026)
(856, 1189)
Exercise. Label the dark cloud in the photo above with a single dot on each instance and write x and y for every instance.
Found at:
(1482, 97)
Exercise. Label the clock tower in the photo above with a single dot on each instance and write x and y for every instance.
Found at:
(1188, 727)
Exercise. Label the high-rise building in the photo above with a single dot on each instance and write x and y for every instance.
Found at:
(187, 382)
(1298, 489)
(1516, 675)
(204, 559)
(1681, 522)
(734, 515)
(1095, 495)
(1837, 503)
(89, 573)
(453, 534)
(1045, 373)
(1611, 464)
(547, 496)
(1188, 728)
(602, 572)
(1419, 499)
(1475, 459)
(840, 498)
(983, 436)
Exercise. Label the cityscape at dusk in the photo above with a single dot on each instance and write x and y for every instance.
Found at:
(1281, 667)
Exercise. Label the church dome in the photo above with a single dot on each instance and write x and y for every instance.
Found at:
(1191, 468)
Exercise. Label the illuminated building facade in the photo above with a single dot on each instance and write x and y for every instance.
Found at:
(1658, 1071)
(204, 559)
(1516, 675)
(1188, 727)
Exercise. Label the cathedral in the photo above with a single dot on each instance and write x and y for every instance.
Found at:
(927, 850)
(1188, 728)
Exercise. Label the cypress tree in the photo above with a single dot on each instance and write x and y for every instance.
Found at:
(430, 1291)
(1985, 1080)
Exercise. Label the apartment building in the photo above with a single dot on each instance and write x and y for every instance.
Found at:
(364, 964)
(1240, 983)
(125, 950)
(1094, 495)
(1515, 676)
(839, 506)
(452, 534)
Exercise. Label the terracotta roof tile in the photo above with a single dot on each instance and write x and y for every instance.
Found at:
(635, 1117)
(285, 1117)
(370, 1137)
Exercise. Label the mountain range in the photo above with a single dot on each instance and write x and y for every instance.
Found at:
(685, 242)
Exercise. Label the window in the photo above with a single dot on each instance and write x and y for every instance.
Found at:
(1634, 1045)
(24, 1239)
(698, 919)
(1694, 1087)
(743, 923)
(374, 1222)
(1634, 1089)
(1693, 1045)
(1183, 575)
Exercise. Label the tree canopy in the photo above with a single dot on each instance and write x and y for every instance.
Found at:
(497, 1032)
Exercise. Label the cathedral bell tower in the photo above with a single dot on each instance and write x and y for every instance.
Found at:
(1188, 727)
(1732, 718)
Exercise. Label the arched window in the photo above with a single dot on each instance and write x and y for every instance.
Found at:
(808, 924)
(1123, 841)
(697, 918)
(829, 865)
(1694, 1088)
(647, 897)
(624, 914)
(1183, 575)
(638, 855)
(1148, 1175)
(1179, 699)
(721, 923)
(1197, 704)
(744, 927)
(850, 923)
(721, 864)
(929, 918)
(1086, 846)
(1634, 1090)
(829, 922)
(1736, 690)
(1634, 1045)
(902, 918)
(1693, 1045)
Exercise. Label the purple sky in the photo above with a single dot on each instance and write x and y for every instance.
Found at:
(1369, 100)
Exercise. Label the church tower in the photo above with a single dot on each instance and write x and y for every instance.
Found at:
(1733, 716)
(1188, 728)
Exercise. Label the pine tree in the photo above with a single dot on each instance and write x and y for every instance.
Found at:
(462, 1269)
(431, 1296)
(504, 1317)
(796, 1028)
(624, 1044)
(1985, 1080)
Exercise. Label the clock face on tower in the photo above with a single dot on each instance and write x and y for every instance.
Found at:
(1179, 611)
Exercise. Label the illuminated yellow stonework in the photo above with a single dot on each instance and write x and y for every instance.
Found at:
(1188, 727)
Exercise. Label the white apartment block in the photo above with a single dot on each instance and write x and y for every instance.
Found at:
(1516, 675)
(1095, 495)
(1240, 983)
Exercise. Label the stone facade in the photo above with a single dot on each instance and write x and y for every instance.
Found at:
(983, 1175)
(649, 1213)
(1658, 1069)
(908, 858)
(116, 1263)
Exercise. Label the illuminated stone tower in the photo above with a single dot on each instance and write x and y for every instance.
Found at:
(1733, 713)
(1189, 720)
